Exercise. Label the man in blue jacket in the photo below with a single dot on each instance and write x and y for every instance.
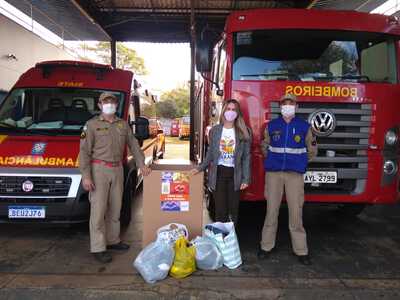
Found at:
(288, 146)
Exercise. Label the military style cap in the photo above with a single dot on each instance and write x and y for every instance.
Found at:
(106, 95)
(288, 97)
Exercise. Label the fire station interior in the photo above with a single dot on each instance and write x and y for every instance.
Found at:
(353, 257)
(190, 21)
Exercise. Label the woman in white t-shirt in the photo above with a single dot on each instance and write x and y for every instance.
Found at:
(228, 161)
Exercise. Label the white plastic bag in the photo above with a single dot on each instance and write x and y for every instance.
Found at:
(171, 233)
(154, 261)
(208, 257)
(224, 236)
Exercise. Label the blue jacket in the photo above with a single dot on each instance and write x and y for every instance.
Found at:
(287, 150)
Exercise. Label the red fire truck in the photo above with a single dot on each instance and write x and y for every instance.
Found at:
(40, 124)
(343, 67)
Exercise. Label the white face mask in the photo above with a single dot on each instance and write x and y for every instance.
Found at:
(109, 108)
(288, 110)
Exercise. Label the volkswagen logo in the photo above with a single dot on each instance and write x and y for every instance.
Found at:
(27, 186)
(322, 122)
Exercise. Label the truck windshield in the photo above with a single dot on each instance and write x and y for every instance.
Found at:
(314, 55)
(51, 110)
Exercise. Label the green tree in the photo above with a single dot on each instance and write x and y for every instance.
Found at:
(180, 96)
(148, 110)
(166, 109)
(334, 52)
(127, 58)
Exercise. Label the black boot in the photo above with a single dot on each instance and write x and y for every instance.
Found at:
(262, 254)
(305, 260)
(120, 246)
(103, 257)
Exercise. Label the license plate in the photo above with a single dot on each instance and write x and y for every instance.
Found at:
(26, 212)
(320, 177)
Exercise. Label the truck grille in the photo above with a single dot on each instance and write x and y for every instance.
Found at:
(348, 142)
(42, 186)
(24, 200)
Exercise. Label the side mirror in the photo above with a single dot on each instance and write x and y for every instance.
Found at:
(203, 57)
(141, 128)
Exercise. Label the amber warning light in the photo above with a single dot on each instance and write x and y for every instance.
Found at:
(69, 84)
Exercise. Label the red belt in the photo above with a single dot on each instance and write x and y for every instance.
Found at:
(106, 163)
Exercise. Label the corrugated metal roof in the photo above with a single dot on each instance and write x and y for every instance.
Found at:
(228, 5)
(63, 18)
(153, 20)
(168, 20)
(182, 6)
(359, 5)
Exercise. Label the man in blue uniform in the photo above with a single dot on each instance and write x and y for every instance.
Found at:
(288, 146)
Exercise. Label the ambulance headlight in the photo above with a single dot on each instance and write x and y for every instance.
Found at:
(390, 167)
(391, 138)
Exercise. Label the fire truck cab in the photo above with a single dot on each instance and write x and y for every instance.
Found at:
(40, 125)
(344, 69)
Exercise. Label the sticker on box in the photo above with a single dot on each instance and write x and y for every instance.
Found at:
(184, 205)
(174, 186)
(174, 205)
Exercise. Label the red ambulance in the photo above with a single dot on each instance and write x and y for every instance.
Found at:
(40, 124)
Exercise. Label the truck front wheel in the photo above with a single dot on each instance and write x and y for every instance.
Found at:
(351, 209)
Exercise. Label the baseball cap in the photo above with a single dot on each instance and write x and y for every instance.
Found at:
(288, 97)
(106, 95)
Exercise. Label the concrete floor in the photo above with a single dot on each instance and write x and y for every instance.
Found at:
(176, 149)
(352, 259)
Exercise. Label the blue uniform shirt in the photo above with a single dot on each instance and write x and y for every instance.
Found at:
(287, 150)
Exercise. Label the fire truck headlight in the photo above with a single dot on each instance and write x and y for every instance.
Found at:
(391, 138)
(390, 167)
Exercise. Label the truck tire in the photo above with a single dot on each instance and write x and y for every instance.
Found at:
(127, 199)
(210, 204)
(351, 209)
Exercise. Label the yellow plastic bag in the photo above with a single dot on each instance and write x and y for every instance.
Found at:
(185, 259)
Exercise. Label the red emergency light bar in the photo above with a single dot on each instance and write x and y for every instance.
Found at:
(48, 66)
(72, 63)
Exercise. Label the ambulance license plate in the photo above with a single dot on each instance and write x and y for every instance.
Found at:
(320, 177)
(26, 212)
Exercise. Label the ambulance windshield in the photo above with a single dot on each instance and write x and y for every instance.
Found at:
(61, 110)
(314, 55)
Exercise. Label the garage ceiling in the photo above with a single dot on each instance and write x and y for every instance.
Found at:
(153, 20)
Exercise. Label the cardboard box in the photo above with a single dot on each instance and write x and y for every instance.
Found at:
(171, 196)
